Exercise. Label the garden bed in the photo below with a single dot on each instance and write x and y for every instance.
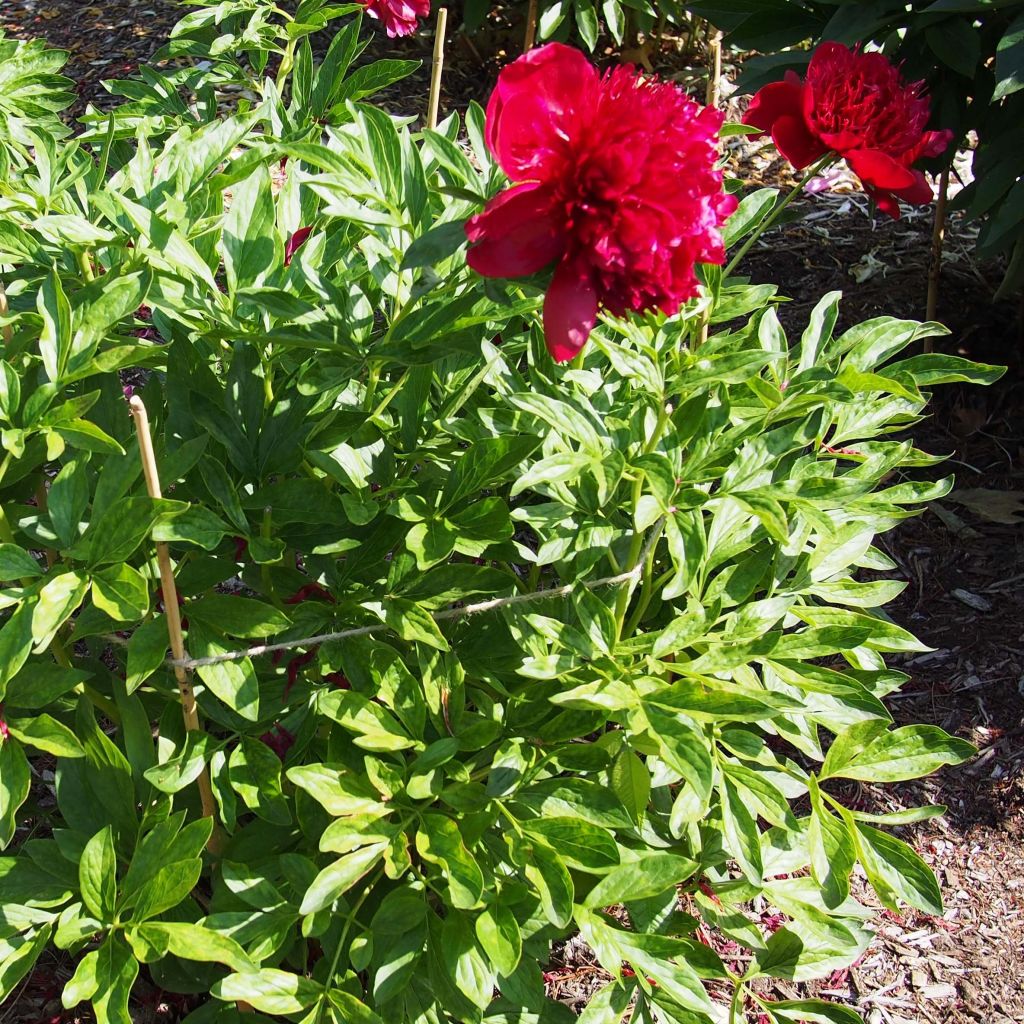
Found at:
(964, 565)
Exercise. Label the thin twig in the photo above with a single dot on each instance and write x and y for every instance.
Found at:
(182, 662)
(189, 711)
(435, 75)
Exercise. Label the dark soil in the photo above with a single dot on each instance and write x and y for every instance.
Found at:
(964, 563)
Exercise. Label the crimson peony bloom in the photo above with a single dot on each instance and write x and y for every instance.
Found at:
(294, 243)
(616, 186)
(398, 16)
(856, 105)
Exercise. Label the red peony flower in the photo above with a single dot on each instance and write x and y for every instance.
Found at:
(398, 16)
(616, 186)
(294, 243)
(856, 105)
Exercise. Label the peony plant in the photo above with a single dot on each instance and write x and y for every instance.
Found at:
(488, 651)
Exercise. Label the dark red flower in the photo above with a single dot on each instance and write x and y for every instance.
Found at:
(279, 739)
(856, 105)
(295, 243)
(399, 17)
(616, 186)
(338, 680)
(310, 592)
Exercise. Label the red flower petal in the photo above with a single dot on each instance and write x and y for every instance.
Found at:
(885, 201)
(880, 170)
(532, 113)
(779, 99)
(795, 141)
(295, 243)
(570, 311)
(517, 234)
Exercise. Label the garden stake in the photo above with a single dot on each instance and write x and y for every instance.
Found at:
(438, 66)
(935, 266)
(170, 596)
(714, 68)
(531, 26)
(7, 332)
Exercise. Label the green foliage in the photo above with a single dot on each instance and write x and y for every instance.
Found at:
(363, 435)
(971, 54)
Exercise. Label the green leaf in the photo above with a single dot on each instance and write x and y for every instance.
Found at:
(15, 780)
(195, 525)
(97, 875)
(547, 873)
(252, 247)
(1010, 60)
(580, 844)
(651, 875)
(435, 245)
(812, 1011)
(255, 774)
(45, 733)
(68, 499)
(375, 727)
(15, 642)
(742, 838)
(500, 938)
(116, 971)
(195, 942)
(20, 954)
(169, 886)
(751, 211)
(121, 592)
(55, 337)
(147, 648)
(58, 601)
(233, 682)
(17, 564)
(894, 756)
(440, 842)
(337, 878)
(631, 783)
(238, 616)
(410, 622)
(269, 990)
(895, 871)
(832, 849)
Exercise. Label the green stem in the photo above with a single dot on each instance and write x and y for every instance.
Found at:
(85, 265)
(773, 217)
(387, 399)
(357, 906)
(649, 586)
(637, 544)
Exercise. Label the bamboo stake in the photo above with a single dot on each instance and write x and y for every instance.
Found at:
(531, 26)
(935, 266)
(4, 309)
(714, 68)
(711, 98)
(170, 595)
(438, 66)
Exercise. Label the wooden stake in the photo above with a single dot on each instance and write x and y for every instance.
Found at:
(435, 74)
(531, 26)
(170, 595)
(935, 266)
(4, 309)
(714, 68)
